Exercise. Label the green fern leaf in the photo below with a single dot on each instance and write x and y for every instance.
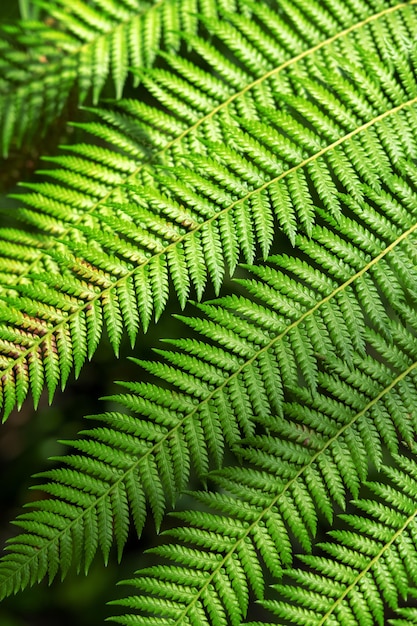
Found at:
(274, 355)
(78, 46)
(157, 233)
(364, 569)
(367, 566)
(308, 379)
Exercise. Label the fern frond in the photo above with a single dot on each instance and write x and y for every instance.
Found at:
(281, 149)
(76, 47)
(316, 345)
(367, 566)
(220, 555)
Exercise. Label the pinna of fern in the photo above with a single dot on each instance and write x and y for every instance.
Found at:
(74, 47)
(243, 151)
(315, 345)
(367, 565)
(365, 570)
(407, 615)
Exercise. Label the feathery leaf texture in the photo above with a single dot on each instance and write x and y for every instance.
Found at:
(366, 566)
(315, 447)
(75, 46)
(263, 142)
(217, 560)
(301, 129)
(306, 379)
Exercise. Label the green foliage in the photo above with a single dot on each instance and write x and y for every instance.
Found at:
(190, 190)
(285, 128)
(370, 564)
(72, 48)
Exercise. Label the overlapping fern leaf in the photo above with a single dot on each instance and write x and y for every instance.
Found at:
(306, 379)
(76, 46)
(336, 408)
(407, 615)
(365, 567)
(299, 113)
(217, 561)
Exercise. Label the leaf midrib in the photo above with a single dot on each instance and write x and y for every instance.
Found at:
(220, 107)
(235, 374)
(178, 241)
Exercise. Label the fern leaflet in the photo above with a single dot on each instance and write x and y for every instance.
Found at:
(264, 156)
(367, 565)
(300, 346)
(74, 47)
(219, 556)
